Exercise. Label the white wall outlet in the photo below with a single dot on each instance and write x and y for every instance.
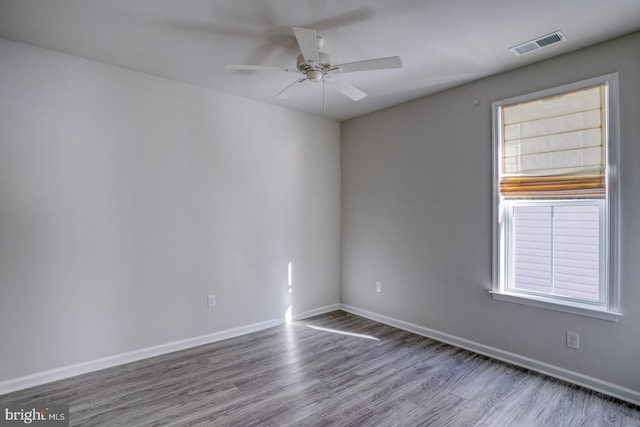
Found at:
(211, 301)
(573, 340)
(378, 287)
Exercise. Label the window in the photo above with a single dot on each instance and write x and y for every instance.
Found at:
(555, 199)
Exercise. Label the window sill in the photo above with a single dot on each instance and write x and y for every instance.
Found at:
(566, 307)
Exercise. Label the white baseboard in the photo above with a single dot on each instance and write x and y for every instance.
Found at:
(316, 312)
(614, 390)
(610, 389)
(132, 356)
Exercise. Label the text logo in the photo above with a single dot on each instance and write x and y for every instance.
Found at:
(40, 415)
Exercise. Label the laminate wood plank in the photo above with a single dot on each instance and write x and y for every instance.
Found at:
(311, 373)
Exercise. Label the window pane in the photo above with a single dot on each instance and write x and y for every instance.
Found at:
(532, 248)
(576, 242)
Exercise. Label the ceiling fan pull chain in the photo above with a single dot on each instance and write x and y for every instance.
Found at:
(323, 109)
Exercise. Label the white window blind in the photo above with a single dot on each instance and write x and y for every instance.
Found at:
(555, 145)
(556, 250)
(532, 248)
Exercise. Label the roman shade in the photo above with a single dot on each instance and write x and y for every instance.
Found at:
(555, 146)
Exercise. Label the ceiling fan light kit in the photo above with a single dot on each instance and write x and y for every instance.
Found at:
(318, 67)
(314, 75)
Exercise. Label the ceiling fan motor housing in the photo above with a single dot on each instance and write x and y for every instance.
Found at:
(314, 72)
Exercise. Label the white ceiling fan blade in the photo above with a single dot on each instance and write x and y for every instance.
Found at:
(308, 43)
(284, 93)
(345, 88)
(259, 68)
(370, 64)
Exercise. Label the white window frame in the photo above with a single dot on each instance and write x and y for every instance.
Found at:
(608, 309)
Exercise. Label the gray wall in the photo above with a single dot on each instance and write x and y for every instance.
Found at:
(125, 199)
(416, 216)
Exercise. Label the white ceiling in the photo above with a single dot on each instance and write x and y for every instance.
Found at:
(442, 43)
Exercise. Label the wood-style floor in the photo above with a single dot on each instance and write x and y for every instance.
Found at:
(335, 369)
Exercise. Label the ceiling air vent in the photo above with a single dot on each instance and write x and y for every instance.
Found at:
(538, 43)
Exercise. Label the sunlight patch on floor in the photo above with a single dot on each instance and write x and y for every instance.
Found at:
(335, 331)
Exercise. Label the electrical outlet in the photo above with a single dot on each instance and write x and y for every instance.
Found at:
(573, 340)
(211, 301)
(378, 287)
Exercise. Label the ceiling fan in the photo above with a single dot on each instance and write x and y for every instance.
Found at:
(317, 67)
